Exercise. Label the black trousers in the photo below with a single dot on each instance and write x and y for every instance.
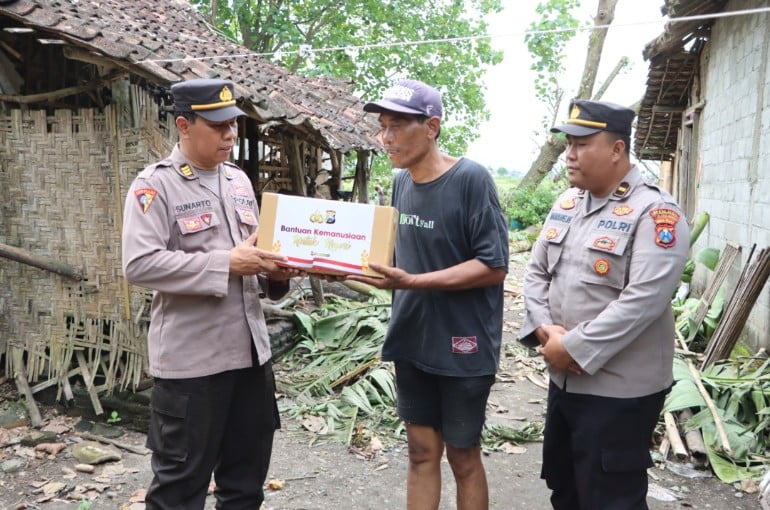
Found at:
(223, 423)
(596, 450)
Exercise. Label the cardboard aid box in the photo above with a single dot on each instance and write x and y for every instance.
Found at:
(327, 236)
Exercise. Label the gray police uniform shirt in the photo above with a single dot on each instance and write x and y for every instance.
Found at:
(442, 223)
(606, 270)
(177, 236)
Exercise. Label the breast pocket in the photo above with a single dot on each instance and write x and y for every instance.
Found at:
(607, 258)
(554, 234)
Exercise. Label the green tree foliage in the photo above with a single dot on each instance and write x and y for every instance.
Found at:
(530, 205)
(548, 49)
(279, 28)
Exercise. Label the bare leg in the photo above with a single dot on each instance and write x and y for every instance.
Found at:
(423, 481)
(471, 479)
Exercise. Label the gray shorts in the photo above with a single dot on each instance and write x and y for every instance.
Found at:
(456, 406)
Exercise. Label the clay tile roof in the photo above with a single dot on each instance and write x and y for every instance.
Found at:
(139, 32)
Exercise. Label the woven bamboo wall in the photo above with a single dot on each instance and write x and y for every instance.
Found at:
(61, 196)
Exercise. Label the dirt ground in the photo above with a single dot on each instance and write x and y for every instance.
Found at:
(331, 476)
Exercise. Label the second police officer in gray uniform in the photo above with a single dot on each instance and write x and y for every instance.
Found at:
(598, 294)
(189, 230)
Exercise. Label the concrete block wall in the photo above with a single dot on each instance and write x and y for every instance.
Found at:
(735, 149)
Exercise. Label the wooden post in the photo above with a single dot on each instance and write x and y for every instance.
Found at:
(118, 197)
(673, 436)
(22, 385)
(29, 258)
(293, 150)
(89, 383)
(362, 176)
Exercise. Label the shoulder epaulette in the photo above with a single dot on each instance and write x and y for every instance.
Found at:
(150, 169)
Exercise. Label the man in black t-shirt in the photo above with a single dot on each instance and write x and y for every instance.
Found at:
(446, 326)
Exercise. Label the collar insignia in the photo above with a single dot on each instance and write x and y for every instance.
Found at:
(621, 190)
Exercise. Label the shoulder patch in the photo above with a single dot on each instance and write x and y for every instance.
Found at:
(665, 226)
(144, 197)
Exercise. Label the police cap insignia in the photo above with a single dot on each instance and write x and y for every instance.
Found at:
(226, 94)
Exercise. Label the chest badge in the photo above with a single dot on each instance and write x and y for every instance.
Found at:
(192, 224)
(567, 204)
(602, 266)
(240, 190)
(605, 243)
(622, 210)
(551, 233)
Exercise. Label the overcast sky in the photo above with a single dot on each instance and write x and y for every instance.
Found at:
(512, 136)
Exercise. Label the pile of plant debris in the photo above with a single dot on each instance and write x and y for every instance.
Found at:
(335, 385)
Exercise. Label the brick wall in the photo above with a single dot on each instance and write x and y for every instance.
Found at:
(735, 148)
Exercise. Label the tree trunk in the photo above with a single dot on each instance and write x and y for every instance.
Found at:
(553, 147)
(213, 17)
(549, 153)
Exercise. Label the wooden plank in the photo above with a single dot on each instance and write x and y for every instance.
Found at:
(50, 382)
(729, 254)
(23, 386)
(89, 383)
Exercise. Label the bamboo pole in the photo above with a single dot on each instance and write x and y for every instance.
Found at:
(118, 199)
(30, 259)
(706, 397)
(710, 404)
(46, 97)
(23, 386)
(672, 433)
(89, 383)
(694, 440)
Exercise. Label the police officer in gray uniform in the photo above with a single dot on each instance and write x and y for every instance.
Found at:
(598, 294)
(189, 233)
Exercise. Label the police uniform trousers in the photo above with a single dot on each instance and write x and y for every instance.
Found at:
(596, 450)
(222, 423)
